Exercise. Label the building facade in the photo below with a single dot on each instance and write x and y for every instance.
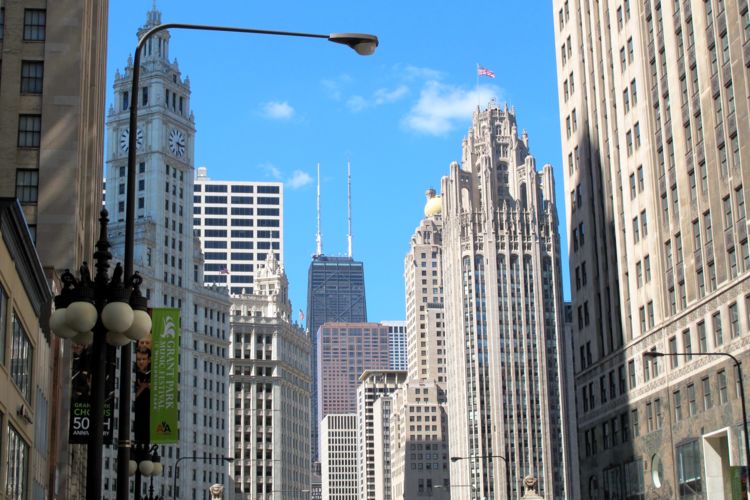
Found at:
(269, 392)
(238, 223)
(345, 351)
(397, 343)
(338, 456)
(169, 258)
(373, 385)
(656, 132)
(335, 293)
(503, 304)
(25, 357)
(52, 96)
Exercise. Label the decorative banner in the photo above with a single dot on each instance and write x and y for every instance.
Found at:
(80, 397)
(142, 389)
(164, 375)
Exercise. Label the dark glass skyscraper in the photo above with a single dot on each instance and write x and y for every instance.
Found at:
(335, 293)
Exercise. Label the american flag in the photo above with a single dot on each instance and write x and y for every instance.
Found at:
(224, 270)
(482, 71)
(301, 316)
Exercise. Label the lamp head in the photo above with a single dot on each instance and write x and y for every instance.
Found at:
(653, 354)
(228, 459)
(456, 459)
(362, 43)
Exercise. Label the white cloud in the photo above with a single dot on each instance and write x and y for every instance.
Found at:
(383, 96)
(441, 105)
(299, 179)
(415, 72)
(272, 170)
(357, 103)
(278, 110)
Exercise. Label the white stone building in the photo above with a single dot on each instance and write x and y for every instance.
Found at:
(504, 316)
(338, 456)
(373, 385)
(169, 259)
(238, 223)
(269, 394)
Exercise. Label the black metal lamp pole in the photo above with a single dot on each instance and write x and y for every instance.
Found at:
(363, 44)
(145, 462)
(507, 468)
(658, 354)
(105, 310)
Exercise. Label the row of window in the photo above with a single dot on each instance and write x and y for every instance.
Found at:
(234, 188)
(236, 200)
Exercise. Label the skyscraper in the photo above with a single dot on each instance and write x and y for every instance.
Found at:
(338, 456)
(503, 305)
(345, 351)
(269, 391)
(168, 256)
(335, 293)
(655, 130)
(238, 223)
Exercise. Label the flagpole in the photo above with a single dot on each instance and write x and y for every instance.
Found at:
(478, 99)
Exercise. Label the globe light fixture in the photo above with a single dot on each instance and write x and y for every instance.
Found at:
(145, 462)
(96, 311)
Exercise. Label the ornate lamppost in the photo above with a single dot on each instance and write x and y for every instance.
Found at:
(145, 461)
(99, 311)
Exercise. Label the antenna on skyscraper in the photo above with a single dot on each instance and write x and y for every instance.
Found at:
(318, 237)
(349, 201)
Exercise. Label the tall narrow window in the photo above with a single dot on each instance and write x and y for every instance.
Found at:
(707, 401)
(32, 73)
(16, 482)
(3, 332)
(20, 359)
(34, 25)
(27, 185)
(29, 131)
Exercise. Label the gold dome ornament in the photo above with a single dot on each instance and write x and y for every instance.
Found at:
(434, 205)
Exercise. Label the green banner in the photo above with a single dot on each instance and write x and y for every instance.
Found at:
(164, 375)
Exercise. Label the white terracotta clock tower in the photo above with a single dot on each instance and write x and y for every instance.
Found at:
(169, 257)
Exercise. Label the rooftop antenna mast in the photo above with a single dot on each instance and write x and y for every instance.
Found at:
(318, 237)
(349, 201)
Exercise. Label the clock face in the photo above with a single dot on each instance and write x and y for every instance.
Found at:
(177, 143)
(125, 139)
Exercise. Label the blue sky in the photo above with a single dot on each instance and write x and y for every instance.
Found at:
(271, 108)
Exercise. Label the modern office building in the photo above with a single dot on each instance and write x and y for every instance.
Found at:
(238, 223)
(52, 97)
(168, 256)
(656, 136)
(504, 315)
(397, 343)
(269, 391)
(25, 356)
(338, 456)
(373, 385)
(335, 293)
(345, 351)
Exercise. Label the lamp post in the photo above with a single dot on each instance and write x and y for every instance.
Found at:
(738, 365)
(99, 312)
(145, 462)
(194, 458)
(363, 44)
(507, 468)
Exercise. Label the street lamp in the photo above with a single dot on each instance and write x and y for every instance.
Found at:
(507, 468)
(194, 458)
(145, 462)
(98, 312)
(737, 364)
(363, 44)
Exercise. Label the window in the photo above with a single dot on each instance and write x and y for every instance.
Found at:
(721, 379)
(718, 335)
(687, 345)
(34, 22)
(649, 417)
(636, 423)
(29, 131)
(702, 343)
(707, 401)
(677, 398)
(674, 361)
(689, 470)
(3, 314)
(631, 373)
(692, 407)
(658, 413)
(20, 359)
(27, 185)
(647, 268)
(728, 221)
(734, 320)
(32, 73)
(16, 486)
